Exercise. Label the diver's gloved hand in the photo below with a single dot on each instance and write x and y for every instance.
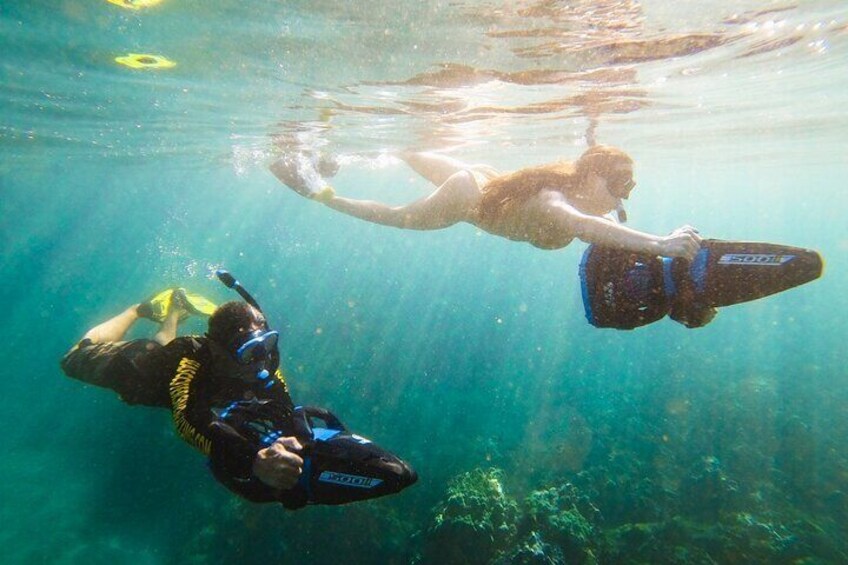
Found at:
(299, 172)
(278, 465)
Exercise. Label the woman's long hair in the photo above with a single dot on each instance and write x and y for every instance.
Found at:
(565, 176)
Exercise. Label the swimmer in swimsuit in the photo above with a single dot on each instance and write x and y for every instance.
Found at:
(547, 205)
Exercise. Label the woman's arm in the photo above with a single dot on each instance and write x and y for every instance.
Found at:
(683, 242)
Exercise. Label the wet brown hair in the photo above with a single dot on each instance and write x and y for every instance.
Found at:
(566, 176)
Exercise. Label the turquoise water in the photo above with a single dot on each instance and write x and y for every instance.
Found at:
(460, 351)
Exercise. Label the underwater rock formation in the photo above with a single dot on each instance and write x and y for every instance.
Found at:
(475, 522)
(709, 519)
(706, 493)
(566, 518)
(625, 490)
(478, 522)
(532, 551)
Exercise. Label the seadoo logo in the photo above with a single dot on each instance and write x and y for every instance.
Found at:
(348, 480)
(764, 259)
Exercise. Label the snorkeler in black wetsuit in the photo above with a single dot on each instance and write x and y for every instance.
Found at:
(222, 388)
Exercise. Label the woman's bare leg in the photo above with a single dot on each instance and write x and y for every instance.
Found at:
(454, 201)
(434, 167)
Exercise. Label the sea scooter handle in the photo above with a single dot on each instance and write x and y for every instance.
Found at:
(339, 467)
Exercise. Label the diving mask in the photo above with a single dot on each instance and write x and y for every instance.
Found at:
(261, 346)
(620, 183)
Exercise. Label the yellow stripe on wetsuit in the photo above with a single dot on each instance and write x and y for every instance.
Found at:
(180, 390)
(281, 379)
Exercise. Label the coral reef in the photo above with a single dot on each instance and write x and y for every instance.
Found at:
(565, 517)
(707, 493)
(532, 551)
(475, 522)
(705, 521)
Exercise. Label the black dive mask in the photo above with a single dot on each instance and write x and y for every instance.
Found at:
(620, 183)
(260, 346)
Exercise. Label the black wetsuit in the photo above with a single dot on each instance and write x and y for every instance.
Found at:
(181, 376)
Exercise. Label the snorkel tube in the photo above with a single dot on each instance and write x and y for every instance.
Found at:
(245, 351)
(230, 282)
(621, 213)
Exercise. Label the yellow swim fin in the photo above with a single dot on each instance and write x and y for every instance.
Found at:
(159, 305)
(198, 305)
(135, 4)
(145, 61)
(156, 307)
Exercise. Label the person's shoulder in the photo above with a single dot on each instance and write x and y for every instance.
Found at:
(162, 361)
(186, 345)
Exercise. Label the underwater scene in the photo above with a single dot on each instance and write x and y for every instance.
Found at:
(148, 144)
